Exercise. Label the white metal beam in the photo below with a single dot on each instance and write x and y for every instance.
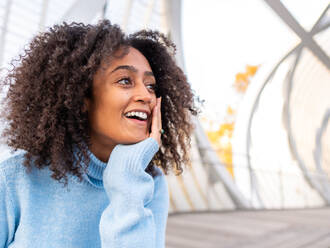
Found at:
(83, 11)
(43, 16)
(129, 4)
(4, 30)
(306, 38)
(148, 14)
(208, 154)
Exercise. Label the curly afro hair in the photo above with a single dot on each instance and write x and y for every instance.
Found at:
(47, 87)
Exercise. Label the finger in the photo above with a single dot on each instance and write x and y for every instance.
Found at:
(155, 124)
(160, 114)
(160, 121)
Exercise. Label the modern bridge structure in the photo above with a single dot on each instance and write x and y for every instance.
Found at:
(281, 173)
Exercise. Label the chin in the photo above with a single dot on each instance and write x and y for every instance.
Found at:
(135, 139)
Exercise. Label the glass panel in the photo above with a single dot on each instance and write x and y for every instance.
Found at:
(306, 12)
(225, 40)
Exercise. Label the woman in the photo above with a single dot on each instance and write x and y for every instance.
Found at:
(90, 107)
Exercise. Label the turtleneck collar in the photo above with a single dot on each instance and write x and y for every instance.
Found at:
(94, 172)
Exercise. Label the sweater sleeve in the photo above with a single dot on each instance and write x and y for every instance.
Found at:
(7, 220)
(127, 221)
(159, 207)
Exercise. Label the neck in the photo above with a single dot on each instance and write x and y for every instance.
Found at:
(101, 151)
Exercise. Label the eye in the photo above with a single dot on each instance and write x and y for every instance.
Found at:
(152, 87)
(124, 81)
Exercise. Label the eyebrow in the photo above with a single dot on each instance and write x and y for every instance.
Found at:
(132, 69)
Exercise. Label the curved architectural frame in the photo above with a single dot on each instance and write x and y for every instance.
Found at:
(216, 168)
(323, 187)
(318, 141)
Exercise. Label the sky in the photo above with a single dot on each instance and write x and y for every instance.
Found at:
(224, 36)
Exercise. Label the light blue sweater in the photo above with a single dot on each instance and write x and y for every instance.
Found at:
(116, 205)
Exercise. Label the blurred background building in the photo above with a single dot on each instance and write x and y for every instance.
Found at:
(262, 140)
(262, 68)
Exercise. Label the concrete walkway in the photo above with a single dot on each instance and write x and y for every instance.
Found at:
(250, 229)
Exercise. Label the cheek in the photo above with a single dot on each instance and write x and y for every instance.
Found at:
(153, 102)
(100, 113)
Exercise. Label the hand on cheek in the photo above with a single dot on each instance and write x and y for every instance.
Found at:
(156, 122)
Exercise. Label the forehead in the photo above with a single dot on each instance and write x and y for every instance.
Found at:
(131, 57)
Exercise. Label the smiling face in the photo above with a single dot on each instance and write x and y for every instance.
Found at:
(122, 102)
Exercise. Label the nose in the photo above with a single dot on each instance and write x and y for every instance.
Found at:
(142, 94)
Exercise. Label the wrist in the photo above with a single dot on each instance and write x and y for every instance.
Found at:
(134, 157)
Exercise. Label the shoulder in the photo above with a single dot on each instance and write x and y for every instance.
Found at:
(11, 174)
(12, 166)
(14, 173)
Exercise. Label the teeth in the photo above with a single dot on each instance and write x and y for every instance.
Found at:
(141, 115)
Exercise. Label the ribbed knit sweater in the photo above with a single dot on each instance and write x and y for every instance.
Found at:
(116, 205)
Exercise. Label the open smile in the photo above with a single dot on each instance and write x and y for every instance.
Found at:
(138, 122)
(137, 116)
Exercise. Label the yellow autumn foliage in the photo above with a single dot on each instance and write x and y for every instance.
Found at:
(221, 138)
(242, 79)
(251, 70)
(221, 141)
(230, 111)
(226, 129)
